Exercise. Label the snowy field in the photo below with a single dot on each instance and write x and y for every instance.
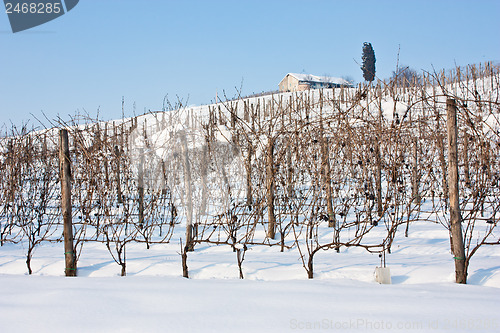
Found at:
(275, 295)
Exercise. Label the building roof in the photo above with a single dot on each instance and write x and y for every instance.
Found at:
(321, 79)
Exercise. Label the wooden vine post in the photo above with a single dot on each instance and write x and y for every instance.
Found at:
(414, 178)
(270, 188)
(65, 178)
(325, 165)
(119, 195)
(378, 161)
(204, 175)
(140, 187)
(455, 217)
(189, 197)
(248, 167)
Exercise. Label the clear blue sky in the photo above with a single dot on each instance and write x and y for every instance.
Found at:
(102, 50)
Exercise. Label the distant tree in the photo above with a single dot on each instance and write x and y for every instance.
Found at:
(405, 76)
(368, 57)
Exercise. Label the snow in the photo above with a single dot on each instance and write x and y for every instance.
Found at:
(275, 295)
(149, 304)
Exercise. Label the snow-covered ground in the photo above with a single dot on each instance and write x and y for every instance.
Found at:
(168, 304)
(275, 296)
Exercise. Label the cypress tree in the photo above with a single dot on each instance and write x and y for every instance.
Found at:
(368, 57)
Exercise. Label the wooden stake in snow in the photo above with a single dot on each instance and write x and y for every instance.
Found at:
(65, 177)
(119, 195)
(248, 166)
(140, 187)
(270, 187)
(378, 178)
(414, 178)
(455, 217)
(204, 175)
(189, 198)
(327, 180)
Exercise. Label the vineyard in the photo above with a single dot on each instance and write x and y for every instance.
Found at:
(303, 172)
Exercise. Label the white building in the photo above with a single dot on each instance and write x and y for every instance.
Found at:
(300, 82)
